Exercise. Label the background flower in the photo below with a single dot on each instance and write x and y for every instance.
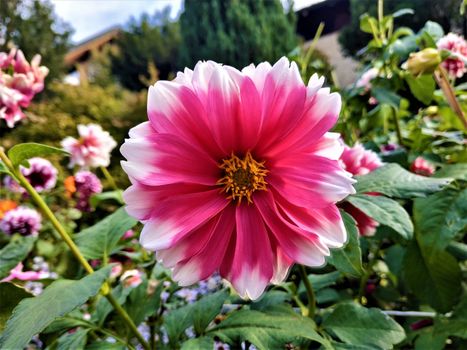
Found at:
(421, 166)
(455, 66)
(85, 185)
(41, 174)
(22, 220)
(92, 149)
(234, 172)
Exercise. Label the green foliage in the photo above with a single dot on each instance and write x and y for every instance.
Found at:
(32, 315)
(100, 241)
(348, 260)
(18, 154)
(393, 180)
(149, 40)
(76, 340)
(13, 253)
(236, 33)
(385, 211)
(10, 296)
(357, 325)
(33, 27)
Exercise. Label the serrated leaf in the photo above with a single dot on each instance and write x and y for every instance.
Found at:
(434, 279)
(24, 151)
(267, 331)
(422, 87)
(10, 296)
(357, 325)
(393, 180)
(13, 253)
(439, 217)
(99, 241)
(455, 171)
(386, 211)
(32, 315)
(140, 304)
(270, 299)
(348, 259)
(198, 314)
(203, 343)
(75, 341)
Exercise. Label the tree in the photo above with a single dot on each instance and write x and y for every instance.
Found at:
(33, 27)
(236, 32)
(445, 12)
(147, 42)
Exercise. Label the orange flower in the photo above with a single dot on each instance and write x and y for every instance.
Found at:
(70, 185)
(6, 205)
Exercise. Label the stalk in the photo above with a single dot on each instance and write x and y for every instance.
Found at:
(309, 292)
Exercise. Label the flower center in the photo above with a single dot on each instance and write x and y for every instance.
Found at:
(242, 177)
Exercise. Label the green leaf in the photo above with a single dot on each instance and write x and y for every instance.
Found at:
(198, 314)
(99, 197)
(422, 87)
(455, 171)
(386, 211)
(427, 340)
(203, 343)
(103, 345)
(433, 29)
(368, 24)
(32, 315)
(270, 299)
(75, 341)
(357, 325)
(393, 180)
(403, 12)
(348, 260)
(457, 249)
(267, 331)
(455, 325)
(439, 217)
(321, 281)
(99, 241)
(4, 169)
(24, 151)
(140, 304)
(386, 96)
(435, 280)
(13, 253)
(10, 296)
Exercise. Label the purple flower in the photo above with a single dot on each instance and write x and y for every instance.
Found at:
(22, 220)
(41, 174)
(86, 184)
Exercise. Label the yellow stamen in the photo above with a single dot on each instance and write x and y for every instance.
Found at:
(242, 177)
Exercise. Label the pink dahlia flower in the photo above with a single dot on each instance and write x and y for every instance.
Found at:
(456, 44)
(20, 81)
(422, 167)
(22, 220)
(359, 161)
(92, 149)
(235, 172)
(41, 174)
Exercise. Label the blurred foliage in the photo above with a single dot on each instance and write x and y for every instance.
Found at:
(151, 40)
(237, 32)
(444, 12)
(33, 27)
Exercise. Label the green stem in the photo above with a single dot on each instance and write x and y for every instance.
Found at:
(311, 48)
(309, 292)
(398, 127)
(106, 290)
(109, 178)
(380, 20)
(116, 337)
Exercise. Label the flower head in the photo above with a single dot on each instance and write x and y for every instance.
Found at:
(22, 220)
(20, 81)
(92, 149)
(359, 161)
(5, 206)
(421, 166)
(41, 174)
(423, 62)
(85, 185)
(365, 79)
(131, 278)
(235, 172)
(455, 64)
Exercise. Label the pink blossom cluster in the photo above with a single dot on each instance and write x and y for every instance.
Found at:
(455, 64)
(92, 149)
(86, 184)
(422, 167)
(19, 82)
(22, 220)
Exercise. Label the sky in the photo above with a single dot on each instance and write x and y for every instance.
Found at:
(89, 17)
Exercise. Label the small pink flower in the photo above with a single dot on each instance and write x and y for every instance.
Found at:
(457, 45)
(422, 167)
(18, 274)
(116, 271)
(131, 278)
(22, 220)
(365, 79)
(86, 184)
(235, 172)
(359, 161)
(41, 174)
(92, 149)
(128, 234)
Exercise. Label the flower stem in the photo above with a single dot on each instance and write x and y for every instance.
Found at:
(106, 290)
(109, 178)
(309, 292)
(398, 127)
(443, 82)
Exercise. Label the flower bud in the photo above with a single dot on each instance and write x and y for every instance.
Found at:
(423, 62)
